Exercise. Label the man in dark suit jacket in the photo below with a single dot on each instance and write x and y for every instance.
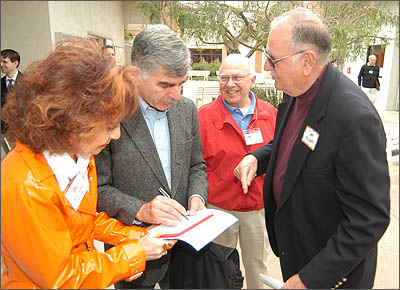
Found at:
(160, 147)
(10, 60)
(326, 191)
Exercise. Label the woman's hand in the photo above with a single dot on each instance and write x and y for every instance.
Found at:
(155, 247)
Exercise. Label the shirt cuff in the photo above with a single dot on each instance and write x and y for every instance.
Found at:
(137, 222)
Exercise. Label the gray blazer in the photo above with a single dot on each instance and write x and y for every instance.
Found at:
(130, 171)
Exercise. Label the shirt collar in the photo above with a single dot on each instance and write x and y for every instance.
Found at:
(251, 109)
(65, 168)
(145, 107)
(14, 76)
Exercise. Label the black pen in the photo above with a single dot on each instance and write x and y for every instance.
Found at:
(166, 194)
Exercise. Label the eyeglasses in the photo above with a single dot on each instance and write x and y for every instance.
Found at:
(237, 79)
(274, 61)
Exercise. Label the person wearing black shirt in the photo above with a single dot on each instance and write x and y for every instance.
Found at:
(326, 187)
(368, 76)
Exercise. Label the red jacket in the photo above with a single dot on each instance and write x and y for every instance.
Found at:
(224, 146)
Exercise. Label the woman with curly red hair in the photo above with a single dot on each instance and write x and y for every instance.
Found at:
(65, 109)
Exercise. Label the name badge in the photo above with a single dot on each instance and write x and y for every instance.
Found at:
(371, 72)
(253, 136)
(310, 137)
(76, 190)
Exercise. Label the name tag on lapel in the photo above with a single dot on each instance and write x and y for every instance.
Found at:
(310, 137)
(253, 136)
(76, 190)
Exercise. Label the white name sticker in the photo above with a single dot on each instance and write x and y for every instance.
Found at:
(76, 190)
(310, 137)
(253, 136)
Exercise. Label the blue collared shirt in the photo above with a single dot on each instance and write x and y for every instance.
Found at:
(242, 120)
(157, 122)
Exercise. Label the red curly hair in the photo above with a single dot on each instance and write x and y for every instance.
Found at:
(70, 93)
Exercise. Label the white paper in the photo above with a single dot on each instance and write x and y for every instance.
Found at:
(203, 233)
(271, 282)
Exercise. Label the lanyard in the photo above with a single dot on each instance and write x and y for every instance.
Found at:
(255, 119)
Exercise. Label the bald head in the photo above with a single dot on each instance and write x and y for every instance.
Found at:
(239, 60)
(236, 78)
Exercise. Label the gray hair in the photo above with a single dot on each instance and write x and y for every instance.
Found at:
(371, 56)
(157, 46)
(308, 31)
(242, 60)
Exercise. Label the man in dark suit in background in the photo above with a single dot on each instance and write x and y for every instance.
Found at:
(326, 190)
(159, 148)
(10, 60)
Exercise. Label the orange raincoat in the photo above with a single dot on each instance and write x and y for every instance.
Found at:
(45, 243)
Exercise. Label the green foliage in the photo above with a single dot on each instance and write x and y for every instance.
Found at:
(204, 65)
(214, 67)
(201, 65)
(354, 25)
(267, 93)
(213, 78)
(127, 35)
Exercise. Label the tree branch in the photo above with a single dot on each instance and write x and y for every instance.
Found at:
(246, 22)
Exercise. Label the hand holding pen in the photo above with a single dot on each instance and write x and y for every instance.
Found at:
(161, 210)
(166, 194)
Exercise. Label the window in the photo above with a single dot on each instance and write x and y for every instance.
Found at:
(208, 54)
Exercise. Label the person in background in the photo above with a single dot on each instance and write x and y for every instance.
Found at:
(326, 190)
(10, 60)
(67, 108)
(232, 126)
(369, 78)
(108, 53)
(159, 149)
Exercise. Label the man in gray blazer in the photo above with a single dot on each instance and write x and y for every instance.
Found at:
(159, 148)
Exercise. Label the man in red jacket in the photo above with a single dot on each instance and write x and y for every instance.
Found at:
(232, 126)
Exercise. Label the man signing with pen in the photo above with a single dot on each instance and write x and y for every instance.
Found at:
(160, 147)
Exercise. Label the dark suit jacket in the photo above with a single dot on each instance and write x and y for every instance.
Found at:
(334, 203)
(130, 171)
(4, 89)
